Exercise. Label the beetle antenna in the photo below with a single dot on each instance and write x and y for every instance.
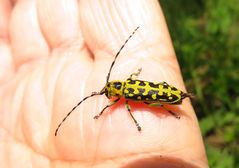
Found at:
(93, 94)
(108, 76)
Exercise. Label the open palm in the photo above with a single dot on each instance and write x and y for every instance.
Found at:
(54, 53)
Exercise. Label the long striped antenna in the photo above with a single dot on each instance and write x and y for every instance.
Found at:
(93, 94)
(108, 76)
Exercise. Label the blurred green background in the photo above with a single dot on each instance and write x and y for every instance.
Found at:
(205, 35)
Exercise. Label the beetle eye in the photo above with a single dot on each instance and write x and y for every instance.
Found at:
(117, 85)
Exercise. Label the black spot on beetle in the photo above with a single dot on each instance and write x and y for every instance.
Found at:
(131, 90)
(152, 92)
(162, 97)
(175, 100)
(142, 83)
(174, 89)
(141, 91)
(153, 85)
(131, 81)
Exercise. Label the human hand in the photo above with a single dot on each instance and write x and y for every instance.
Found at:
(54, 53)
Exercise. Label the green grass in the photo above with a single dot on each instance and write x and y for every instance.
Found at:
(205, 35)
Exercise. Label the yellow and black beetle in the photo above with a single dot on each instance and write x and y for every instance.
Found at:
(151, 93)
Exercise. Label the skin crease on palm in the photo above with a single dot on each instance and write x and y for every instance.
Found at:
(54, 53)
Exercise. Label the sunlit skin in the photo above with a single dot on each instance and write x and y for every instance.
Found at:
(55, 53)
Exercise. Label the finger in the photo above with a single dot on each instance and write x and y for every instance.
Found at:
(59, 22)
(5, 9)
(28, 43)
(6, 62)
(111, 22)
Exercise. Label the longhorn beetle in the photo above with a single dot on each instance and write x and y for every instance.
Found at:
(151, 93)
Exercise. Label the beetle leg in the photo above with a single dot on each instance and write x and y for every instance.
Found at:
(110, 104)
(135, 74)
(129, 110)
(158, 104)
